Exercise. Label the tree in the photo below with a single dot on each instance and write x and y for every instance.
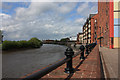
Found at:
(35, 43)
(65, 39)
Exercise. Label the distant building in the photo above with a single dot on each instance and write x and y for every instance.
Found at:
(87, 29)
(80, 38)
(94, 28)
(104, 28)
(73, 38)
(48, 41)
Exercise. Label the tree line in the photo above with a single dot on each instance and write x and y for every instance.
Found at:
(32, 43)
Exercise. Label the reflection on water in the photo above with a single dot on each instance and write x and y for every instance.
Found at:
(19, 63)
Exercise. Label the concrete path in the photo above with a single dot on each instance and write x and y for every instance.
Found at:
(110, 62)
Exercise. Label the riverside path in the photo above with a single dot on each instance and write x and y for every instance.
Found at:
(110, 62)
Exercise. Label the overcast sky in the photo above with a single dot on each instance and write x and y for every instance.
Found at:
(49, 20)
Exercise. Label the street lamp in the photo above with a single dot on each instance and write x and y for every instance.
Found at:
(100, 36)
(1, 36)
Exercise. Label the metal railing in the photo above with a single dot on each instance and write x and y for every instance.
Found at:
(68, 60)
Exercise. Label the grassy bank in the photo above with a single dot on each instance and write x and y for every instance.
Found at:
(32, 43)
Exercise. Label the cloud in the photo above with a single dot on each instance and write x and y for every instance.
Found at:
(82, 8)
(35, 9)
(42, 20)
(4, 16)
(80, 20)
(87, 8)
(66, 8)
(49, 26)
(39, 8)
(0, 5)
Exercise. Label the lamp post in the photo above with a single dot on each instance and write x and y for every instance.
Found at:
(1, 36)
(100, 36)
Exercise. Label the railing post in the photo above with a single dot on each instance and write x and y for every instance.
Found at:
(69, 53)
(82, 48)
(86, 49)
(90, 47)
(75, 45)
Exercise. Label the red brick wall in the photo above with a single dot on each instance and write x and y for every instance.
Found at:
(94, 28)
(111, 23)
(105, 27)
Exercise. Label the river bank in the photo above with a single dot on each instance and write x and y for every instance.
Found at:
(22, 44)
(25, 49)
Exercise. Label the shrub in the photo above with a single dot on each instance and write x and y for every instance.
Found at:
(32, 43)
(35, 43)
(7, 45)
(64, 39)
(23, 44)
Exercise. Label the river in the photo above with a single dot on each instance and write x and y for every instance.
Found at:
(16, 64)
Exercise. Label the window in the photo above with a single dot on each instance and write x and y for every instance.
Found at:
(105, 30)
(106, 25)
(95, 27)
(95, 32)
(89, 21)
(106, 42)
(95, 20)
(106, 12)
(112, 40)
(102, 10)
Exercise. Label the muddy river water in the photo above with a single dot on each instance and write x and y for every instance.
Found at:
(16, 64)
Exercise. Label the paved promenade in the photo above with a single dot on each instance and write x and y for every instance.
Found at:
(110, 62)
(88, 68)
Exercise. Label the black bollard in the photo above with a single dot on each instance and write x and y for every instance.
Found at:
(69, 53)
(86, 49)
(90, 47)
(82, 48)
(75, 45)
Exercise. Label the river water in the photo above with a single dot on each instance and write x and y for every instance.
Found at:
(16, 64)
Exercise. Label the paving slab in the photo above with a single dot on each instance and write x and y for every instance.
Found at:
(110, 58)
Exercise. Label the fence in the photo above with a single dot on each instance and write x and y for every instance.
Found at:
(68, 60)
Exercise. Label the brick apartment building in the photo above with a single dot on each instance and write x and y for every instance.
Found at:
(86, 32)
(88, 29)
(94, 29)
(104, 27)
